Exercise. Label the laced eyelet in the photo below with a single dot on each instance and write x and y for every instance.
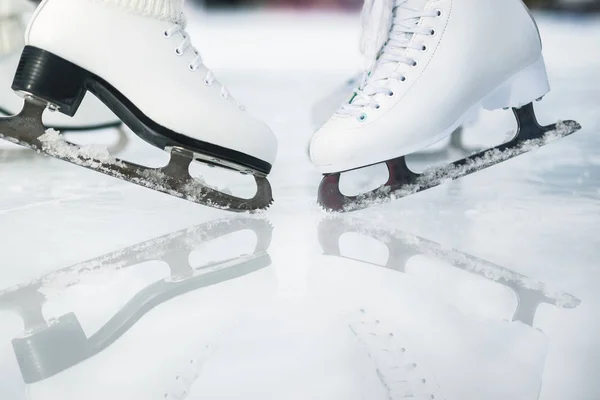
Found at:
(362, 117)
(207, 82)
(391, 92)
(431, 32)
(377, 106)
(178, 52)
(166, 34)
(424, 48)
(403, 79)
(191, 67)
(414, 63)
(438, 12)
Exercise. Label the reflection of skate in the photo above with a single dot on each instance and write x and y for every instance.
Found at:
(403, 246)
(401, 373)
(457, 326)
(48, 347)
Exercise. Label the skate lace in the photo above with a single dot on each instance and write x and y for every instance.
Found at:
(197, 62)
(389, 27)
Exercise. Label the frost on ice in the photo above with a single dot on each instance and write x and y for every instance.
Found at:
(89, 155)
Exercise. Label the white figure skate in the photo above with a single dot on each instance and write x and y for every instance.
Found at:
(160, 88)
(435, 62)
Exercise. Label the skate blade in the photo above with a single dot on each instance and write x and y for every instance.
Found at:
(403, 182)
(26, 129)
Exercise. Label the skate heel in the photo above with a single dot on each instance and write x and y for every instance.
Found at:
(51, 79)
(522, 88)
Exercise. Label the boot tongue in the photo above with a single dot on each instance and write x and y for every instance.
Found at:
(382, 9)
(383, 69)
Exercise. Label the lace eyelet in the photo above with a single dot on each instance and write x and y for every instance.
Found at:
(424, 48)
(403, 79)
(391, 92)
(166, 34)
(414, 63)
(431, 32)
(191, 67)
(438, 12)
(207, 82)
(362, 117)
(178, 52)
(377, 106)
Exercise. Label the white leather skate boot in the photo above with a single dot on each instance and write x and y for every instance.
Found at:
(139, 61)
(438, 62)
(91, 115)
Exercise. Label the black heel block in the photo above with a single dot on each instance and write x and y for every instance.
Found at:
(50, 78)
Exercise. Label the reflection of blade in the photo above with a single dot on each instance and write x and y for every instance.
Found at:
(167, 248)
(51, 347)
(402, 246)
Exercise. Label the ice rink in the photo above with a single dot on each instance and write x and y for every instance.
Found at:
(483, 288)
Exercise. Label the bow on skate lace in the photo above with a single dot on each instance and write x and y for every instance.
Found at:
(197, 62)
(389, 27)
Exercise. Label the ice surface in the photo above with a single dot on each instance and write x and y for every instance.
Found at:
(490, 282)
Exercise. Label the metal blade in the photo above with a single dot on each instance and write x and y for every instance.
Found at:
(26, 129)
(403, 182)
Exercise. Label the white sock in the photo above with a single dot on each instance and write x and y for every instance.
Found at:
(169, 10)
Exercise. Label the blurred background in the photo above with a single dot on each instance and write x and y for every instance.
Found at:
(567, 5)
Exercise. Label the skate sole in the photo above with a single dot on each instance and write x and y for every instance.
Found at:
(62, 84)
(403, 182)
